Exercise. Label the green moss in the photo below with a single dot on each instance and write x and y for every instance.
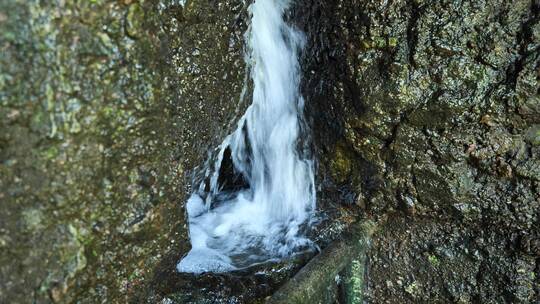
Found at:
(433, 260)
(50, 153)
(378, 42)
(134, 20)
(412, 288)
(341, 163)
(355, 282)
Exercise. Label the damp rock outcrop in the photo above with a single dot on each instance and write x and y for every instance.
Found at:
(106, 108)
(426, 117)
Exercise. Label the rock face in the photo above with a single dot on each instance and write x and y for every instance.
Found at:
(105, 107)
(426, 116)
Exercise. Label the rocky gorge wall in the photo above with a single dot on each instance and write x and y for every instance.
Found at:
(426, 116)
(426, 119)
(106, 108)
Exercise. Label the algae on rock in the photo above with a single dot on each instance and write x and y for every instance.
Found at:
(438, 104)
(105, 108)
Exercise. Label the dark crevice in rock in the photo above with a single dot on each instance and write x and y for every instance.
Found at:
(229, 179)
(393, 133)
(412, 34)
(523, 39)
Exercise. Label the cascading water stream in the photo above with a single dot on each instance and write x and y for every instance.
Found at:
(262, 221)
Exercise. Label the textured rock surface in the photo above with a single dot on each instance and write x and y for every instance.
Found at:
(105, 106)
(333, 276)
(426, 116)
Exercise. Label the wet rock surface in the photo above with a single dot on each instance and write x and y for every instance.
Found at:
(426, 117)
(105, 109)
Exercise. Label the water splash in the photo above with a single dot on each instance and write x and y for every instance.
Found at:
(262, 219)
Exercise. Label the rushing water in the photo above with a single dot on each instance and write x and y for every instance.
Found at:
(263, 220)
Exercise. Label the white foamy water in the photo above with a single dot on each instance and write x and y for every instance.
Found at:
(263, 221)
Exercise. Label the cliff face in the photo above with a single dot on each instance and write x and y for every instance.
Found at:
(426, 116)
(105, 107)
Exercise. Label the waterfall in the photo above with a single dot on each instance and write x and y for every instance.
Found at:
(263, 219)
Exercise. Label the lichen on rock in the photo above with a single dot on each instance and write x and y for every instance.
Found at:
(439, 102)
(105, 107)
